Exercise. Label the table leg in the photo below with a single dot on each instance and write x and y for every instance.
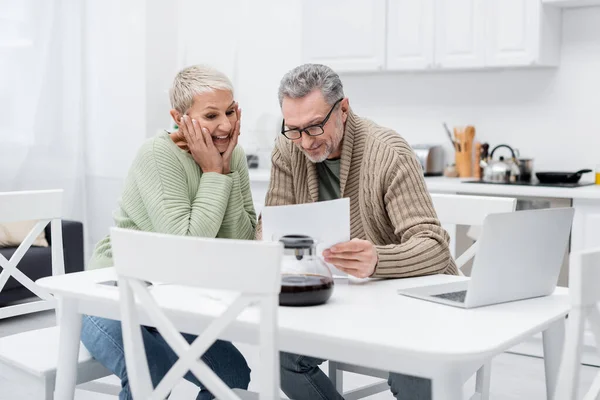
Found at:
(482, 381)
(448, 387)
(68, 350)
(553, 338)
(336, 376)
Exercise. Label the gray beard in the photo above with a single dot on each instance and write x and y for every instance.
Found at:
(322, 158)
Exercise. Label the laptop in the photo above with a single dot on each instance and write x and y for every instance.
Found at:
(520, 256)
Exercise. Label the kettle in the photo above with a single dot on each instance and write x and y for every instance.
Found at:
(501, 170)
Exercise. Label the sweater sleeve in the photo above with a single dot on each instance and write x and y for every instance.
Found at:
(422, 247)
(164, 191)
(281, 187)
(239, 221)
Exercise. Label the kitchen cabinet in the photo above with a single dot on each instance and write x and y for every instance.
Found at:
(586, 225)
(460, 33)
(419, 35)
(347, 35)
(522, 32)
(410, 34)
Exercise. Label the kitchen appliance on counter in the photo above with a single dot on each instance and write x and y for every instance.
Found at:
(431, 158)
(561, 177)
(501, 170)
(252, 160)
(525, 167)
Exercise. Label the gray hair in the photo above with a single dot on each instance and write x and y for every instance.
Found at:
(304, 79)
(194, 80)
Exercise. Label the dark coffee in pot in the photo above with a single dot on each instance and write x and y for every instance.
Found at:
(305, 290)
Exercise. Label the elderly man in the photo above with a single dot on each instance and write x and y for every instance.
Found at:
(326, 152)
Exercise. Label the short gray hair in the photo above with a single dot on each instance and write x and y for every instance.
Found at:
(304, 79)
(194, 80)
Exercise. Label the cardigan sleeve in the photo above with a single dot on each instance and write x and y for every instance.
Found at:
(422, 246)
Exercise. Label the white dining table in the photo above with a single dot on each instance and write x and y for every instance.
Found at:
(364, 323)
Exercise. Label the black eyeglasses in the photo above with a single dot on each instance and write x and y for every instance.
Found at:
(313, 130)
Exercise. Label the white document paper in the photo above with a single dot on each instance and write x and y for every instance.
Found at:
(327, 222)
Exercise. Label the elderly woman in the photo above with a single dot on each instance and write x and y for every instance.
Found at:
(192, 182)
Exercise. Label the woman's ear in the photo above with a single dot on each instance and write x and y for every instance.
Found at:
(176, 115)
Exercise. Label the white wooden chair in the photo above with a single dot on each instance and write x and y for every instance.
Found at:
(451, 210)
(29, 359)
(249, 268)
(46, 207)
(584, 279)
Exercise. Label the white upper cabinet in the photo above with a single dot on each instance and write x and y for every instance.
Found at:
(374, 35)
(460, 33)
(410, 34)
(522, 32)
(347, 35)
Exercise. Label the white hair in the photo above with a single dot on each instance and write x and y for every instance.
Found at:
(194, 80)
(305, 78)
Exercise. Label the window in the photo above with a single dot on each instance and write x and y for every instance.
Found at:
(20, 67)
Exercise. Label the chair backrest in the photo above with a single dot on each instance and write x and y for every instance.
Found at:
(249, 268)
(584, 279)
(469, 210)
(46, 207)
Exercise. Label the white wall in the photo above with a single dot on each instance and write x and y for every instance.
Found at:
(160, 62)
(549, 114)
(255, 43)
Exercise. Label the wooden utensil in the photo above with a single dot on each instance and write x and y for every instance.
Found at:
(454, 144)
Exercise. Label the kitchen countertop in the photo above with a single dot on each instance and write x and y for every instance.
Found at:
(456, 185)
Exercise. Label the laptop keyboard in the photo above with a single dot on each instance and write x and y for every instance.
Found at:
(458, 297)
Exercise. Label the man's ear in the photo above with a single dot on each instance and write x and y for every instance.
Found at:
(176, 115)
(345, 107)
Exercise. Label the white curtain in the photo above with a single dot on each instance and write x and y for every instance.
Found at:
(42, 139)
(84, 82)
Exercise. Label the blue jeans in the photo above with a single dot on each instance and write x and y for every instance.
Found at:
(104, 340)
(302, 379)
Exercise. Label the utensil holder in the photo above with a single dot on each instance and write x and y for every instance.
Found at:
(463, 159)
(464, 151)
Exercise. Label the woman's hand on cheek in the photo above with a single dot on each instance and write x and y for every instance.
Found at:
(201, 146)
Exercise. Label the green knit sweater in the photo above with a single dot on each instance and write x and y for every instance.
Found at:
(166, 192)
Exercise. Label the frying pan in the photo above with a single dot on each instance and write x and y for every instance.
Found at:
(561, 177)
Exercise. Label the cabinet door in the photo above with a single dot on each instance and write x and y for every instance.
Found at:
(347, 35)
(513, 30)
(410, 34)
(586, 225)
(460, 33)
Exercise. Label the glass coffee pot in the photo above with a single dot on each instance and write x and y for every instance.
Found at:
(305, 278)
